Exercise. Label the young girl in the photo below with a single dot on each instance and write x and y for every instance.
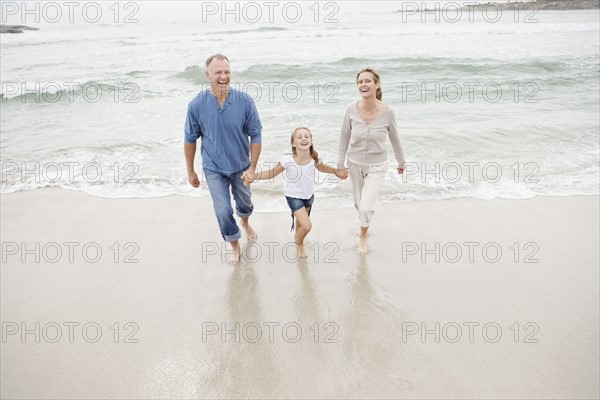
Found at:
(299, 185)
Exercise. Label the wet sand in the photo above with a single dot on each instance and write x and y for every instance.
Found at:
(455, 299)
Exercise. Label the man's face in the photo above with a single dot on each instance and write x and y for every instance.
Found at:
(219, 75)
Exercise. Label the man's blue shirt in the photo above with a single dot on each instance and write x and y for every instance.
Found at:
(226, 131)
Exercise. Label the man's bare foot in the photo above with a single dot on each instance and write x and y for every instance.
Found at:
(250, 233)
(235, 257)
(301, 253)
(362, 245)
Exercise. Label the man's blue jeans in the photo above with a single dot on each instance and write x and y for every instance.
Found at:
(219, 185)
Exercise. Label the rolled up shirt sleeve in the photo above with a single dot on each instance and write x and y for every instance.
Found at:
(253, 127)
(192, 129)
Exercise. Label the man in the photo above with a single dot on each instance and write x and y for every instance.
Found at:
(229, 125)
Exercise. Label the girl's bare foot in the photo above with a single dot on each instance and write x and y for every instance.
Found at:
(301, 253)
(233, 259)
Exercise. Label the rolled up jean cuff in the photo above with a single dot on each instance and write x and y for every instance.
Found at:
(243, 215)
(231, 238)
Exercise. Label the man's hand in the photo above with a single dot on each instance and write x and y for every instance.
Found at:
(250, 174)
(193, 179)
(246, 179)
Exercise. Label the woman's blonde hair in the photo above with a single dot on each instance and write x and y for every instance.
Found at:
(313, 152)
(376, 77)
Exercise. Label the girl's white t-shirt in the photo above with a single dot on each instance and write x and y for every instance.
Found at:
(298, 180)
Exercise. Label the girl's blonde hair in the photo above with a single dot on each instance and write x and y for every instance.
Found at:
(313, 152)
(377, 79)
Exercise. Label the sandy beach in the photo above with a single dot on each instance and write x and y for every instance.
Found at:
(119, 298)
(482, 275)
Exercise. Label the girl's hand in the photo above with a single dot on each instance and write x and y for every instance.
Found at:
(250, 173)
(246, 179)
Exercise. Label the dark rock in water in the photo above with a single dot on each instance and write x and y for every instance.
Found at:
(530, 5)
(568, 5)
(16, 28)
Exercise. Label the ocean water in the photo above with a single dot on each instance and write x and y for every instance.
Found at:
(489, 105)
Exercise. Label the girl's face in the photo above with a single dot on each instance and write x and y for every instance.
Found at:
(302, 139)
(366, 84)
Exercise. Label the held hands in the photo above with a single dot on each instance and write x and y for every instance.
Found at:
(248, 177)
(342, 173)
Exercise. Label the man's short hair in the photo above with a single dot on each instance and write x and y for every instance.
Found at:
(217, 56)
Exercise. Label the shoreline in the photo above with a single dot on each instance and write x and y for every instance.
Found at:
(347, 203)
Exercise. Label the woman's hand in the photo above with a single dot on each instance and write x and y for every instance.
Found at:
(400, 169)
(342, 173)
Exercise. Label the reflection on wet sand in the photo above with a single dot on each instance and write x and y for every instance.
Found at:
(314, 356)
(371, 345)
(307, 307)
(379, 364)
(354, 351)
(242, 366)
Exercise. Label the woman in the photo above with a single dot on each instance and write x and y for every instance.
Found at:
(367, 124)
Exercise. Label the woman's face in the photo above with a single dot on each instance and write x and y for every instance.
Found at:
(366, 84)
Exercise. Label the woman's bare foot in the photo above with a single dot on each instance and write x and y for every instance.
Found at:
(362, 240)
(362, 245)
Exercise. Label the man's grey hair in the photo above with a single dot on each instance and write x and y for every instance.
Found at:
(217, 56)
